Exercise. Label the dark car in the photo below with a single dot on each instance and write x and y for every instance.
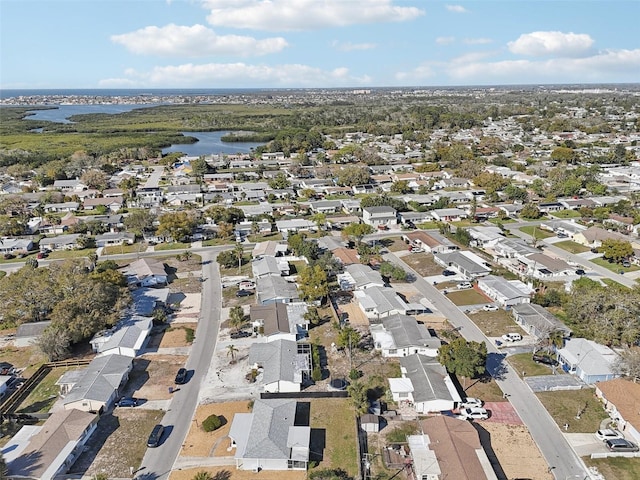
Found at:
(243, 293)
(448, 273)
(181, 376)
(620, 445)
(127, 402)
(240, 334)
(580, 271)
(545, 359)
(155, 436)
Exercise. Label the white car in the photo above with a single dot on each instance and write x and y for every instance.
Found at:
(511, 337)
(474, 413)
(608, 434)
(471, 402)
(464, 285)
(490, 308)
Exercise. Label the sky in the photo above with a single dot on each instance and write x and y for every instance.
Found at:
(315, 43)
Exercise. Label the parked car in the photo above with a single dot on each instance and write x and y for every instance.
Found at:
(8, 256)
(463, 285)
(474, 413)
(626, 263)
(155, 436)
(448, 273)
(181, 376)
(562, 235)
(416, 250)
(580, 271)
(545, 359)
(240, 334)
(608, 434)
(243, 293)
(490, 308)
(127, 402)
(41, 255)
(511, 337)
(246, 285)
(471, 402)
(620, 445)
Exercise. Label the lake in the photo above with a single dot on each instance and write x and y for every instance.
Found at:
(61, 113)
(210, 143)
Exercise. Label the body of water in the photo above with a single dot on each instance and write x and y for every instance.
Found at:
(61, 113)
(210, 143)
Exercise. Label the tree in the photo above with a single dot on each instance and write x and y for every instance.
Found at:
(203, 475)
(530, 211)
(313, 316)
(227, 259)
(176, 225)
(31, 262)
(238, 251)
(616, 250)
(231, 352)
(220, 213)
(54, 343)
(628, 363)
(236, 317)
(356, 231)
(279, 182)
(320, 220)
(396, 273)
(358, 394)
(348, 337)
(95, 179)
(466, 359)
(400, 186)
(313, 284)
(93, 260)
(353, 175)
(564, 154)
(139, 221)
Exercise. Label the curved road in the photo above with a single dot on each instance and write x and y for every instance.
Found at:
(562, 460)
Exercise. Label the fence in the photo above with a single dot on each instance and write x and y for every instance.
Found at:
(332, 394)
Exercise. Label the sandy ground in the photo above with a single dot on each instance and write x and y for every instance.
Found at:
(230, 473)
(176, 336)
(516, 451)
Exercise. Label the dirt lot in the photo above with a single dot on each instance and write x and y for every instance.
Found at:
(176, 335)
(152, 375)
(494, 324)
(423, 264)
(230, 473)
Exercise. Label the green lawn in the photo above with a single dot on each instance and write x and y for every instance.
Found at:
(614, 267)
(122, 249)
(522, 362)
(537, 232)
(566, 214)
(571, 246)
(618, 468)
(274, 236)
(484, 388)
(44, 395)
(173, 246)
(565, 405)
(428, 226)
(467, 297)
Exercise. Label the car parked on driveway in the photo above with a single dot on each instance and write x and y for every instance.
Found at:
(580, 271)
(127, 402)
(464, 285)
(181, 376)
(474, 413)
(608, 434)
(620, 445)
(239, 334)
(544, 359)
(243, 293)
(490, 308)
(511, 337)
(471, 402)
(448, 273)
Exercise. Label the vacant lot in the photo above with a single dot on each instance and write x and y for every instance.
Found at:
(580, 409)
(177, 335)
(494, 324)
(618, 468)
(334, 421)
(522, 362)
(537, 232)
(423, 264)
(119, 442)
(27, 359)
(229, 298)
(152, 375)
(469, 296)
(484, 388)
(394, 244)
(571, 246)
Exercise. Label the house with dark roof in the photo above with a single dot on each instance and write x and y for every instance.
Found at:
(99, 386)
(401, 335)
(425, 385)
(430, 241)
(539, 265)
(620, 398)
(283, 365)
(273, 321)
(274, 436)
(468, 264)
(47, 451)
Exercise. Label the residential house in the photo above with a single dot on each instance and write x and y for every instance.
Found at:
(468, 264)
(483, 237)
(380, 217)
(265, 266)
(430, 242)
(269, 249)
(60, 242)
(129, 337)
(49, 451)
(283, 364)
(539, 265)
(593, 237)
(538, 321)
(269, 438)
(588, 360)
(505, 293)
(347, 256)
(12, 245)
(511, 209)
(146, 272)
(380, 302)
(146, 300)
(360, 277)
(111, 239)
(273, 322)
(326, 206)
(99, 386)
(69, 186)
(272, 289)
(620, 398)
(453, 446)
(511, 248)
(425, 384)
(110, 203)
(401, 335)
(295, 225)
(448, 214)
(61, 207)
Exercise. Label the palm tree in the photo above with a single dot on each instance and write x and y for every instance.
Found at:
(236, 317)
(231, 352)
(238, 250)
(202, 476)
(93, 259)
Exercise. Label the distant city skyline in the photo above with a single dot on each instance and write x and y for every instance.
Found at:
(110, 44)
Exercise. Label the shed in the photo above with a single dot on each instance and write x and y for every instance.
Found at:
(370, 422)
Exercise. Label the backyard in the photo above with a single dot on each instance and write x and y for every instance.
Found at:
(523, 363)
(467, 296)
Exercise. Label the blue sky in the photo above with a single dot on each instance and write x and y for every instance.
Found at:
(315, 43)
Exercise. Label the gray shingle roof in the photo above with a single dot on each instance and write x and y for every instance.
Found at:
(406, 332)
(427, 377)
(279, 360)
(101, 378)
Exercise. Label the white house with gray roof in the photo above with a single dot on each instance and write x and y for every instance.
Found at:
(380, 217)
(271, 437)
(505, 293)
(381, 302)
(99, 386)
(425, 384)
(360, 277)
(129, 337)
(401, 335)
(468, 264)
(282, 364)
(271, 289)
(588, 360)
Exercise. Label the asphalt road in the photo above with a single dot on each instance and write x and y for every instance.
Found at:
(561, 458)
(158, 462)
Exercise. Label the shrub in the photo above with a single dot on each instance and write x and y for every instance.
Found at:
(355, 374)
(211, 423)
(190, 334)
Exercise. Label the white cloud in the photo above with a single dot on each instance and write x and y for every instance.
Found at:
(445, 40)
(606, 66)
(195, 41)
(538, 44)
(477, 41)
(300, 15)
(457, 9)
(349, 47)
(237, 75)
(420, 73)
